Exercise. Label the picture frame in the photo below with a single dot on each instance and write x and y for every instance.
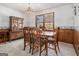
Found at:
(45, 20)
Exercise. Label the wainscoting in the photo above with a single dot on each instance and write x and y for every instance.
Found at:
(76, 41)
(70, 36)
(66, 35)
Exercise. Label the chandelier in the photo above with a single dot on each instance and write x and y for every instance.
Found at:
(29, 9)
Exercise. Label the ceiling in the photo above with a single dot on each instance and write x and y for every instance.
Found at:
(35, 6)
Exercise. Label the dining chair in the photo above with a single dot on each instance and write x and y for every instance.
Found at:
(27, 41)
(54, 40)
(38, 41)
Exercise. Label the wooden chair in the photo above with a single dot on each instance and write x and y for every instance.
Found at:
(54, 41)
(38, 41)
(27, 41)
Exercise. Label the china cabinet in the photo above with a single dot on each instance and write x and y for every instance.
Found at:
(16, 27)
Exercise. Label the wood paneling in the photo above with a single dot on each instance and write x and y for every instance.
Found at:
(76, 41)
(66, 35)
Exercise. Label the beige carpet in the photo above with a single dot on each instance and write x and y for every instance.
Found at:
(15, 48)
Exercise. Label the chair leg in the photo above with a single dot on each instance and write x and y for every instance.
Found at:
(30, 49)
(46, 50)
(40, 52)
(30, 46)
(55, 49)
(58, 47)
(49, 44)
(40, 48)
(24, 45)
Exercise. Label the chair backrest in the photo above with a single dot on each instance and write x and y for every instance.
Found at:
(35, 35)
(26, 34)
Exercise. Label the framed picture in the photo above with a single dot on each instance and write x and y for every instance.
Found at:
(49, 20)
(45, 20)
(39, 21)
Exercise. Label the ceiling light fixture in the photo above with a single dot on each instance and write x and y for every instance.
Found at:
(29, 9)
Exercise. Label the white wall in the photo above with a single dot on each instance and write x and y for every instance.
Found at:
(63, 15)
(5, 12)
(76, 18)
(30, 20)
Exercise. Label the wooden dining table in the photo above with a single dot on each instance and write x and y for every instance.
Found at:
(47, 34)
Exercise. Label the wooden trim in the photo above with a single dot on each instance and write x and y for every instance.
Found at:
(53, 19)
(16, 38)
(44, 14)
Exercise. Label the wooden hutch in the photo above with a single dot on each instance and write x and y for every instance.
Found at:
(16, 28)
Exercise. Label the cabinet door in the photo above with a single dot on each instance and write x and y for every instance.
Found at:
(20, 23)
(16, 23)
